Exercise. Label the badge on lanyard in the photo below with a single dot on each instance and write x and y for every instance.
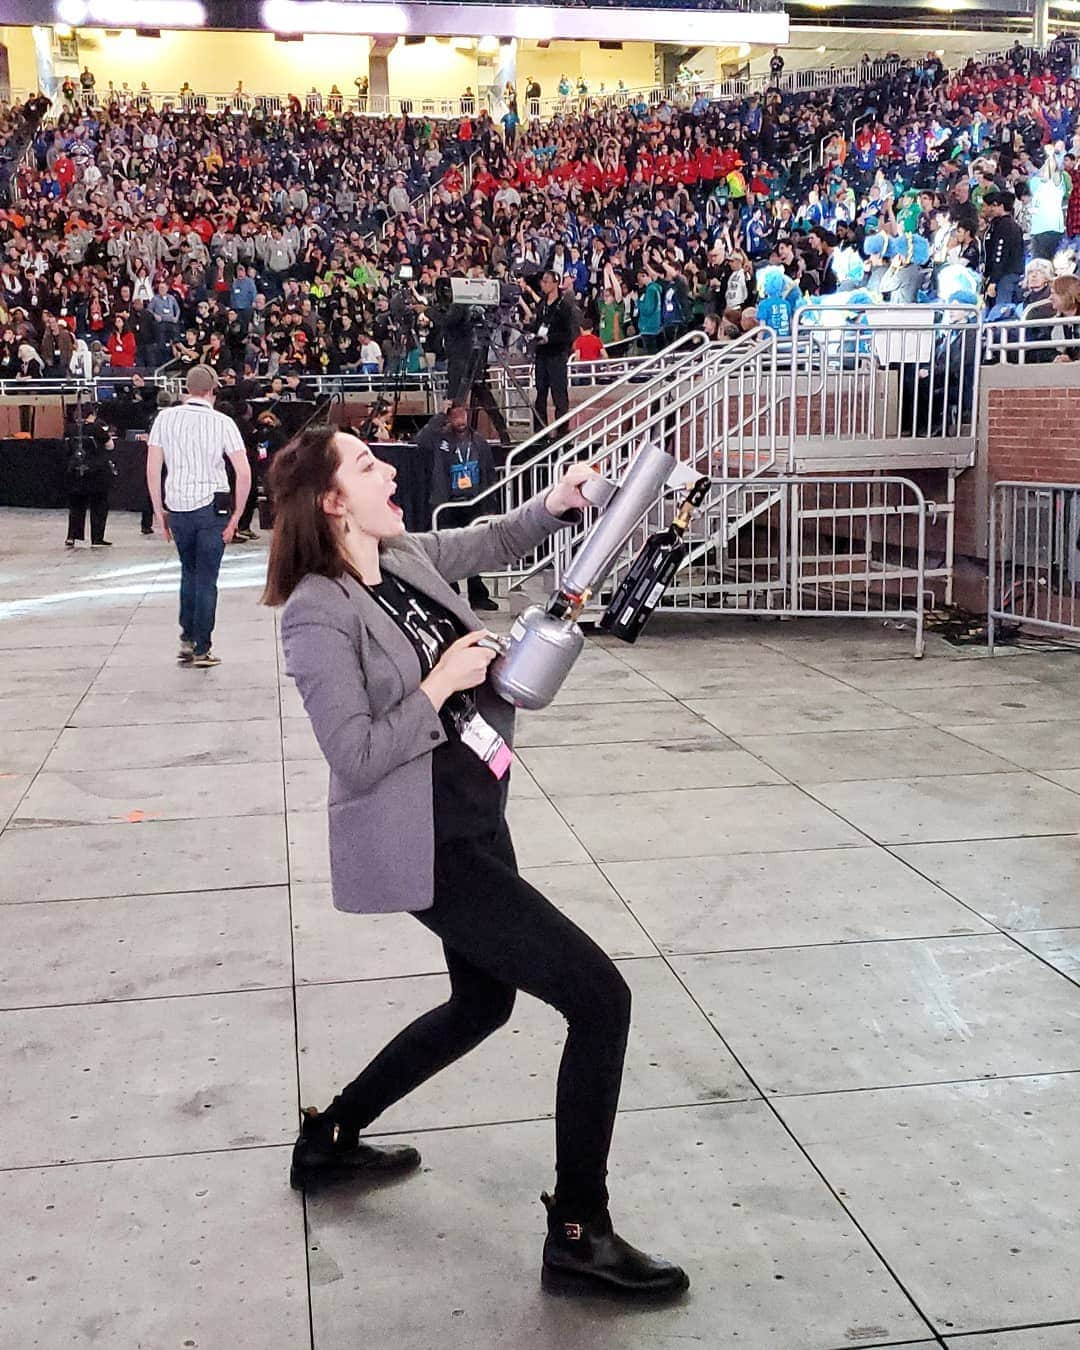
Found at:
(466, 474)
(482, 739)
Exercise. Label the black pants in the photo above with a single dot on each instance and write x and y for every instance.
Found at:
(551, 378)
(97, 501)
(501, 935)
(456, 519)
(246, 515)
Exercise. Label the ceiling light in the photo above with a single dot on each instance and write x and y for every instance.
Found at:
(133, 13)
(533, 22)
(332, 16)
(821, 49)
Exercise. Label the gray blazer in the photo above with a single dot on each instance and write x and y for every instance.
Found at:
(359, 677)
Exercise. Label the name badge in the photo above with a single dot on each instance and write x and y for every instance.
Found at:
(485, 742)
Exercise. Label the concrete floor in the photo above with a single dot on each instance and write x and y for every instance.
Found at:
(843, 885)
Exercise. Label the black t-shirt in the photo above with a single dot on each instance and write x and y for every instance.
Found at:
(468, 800)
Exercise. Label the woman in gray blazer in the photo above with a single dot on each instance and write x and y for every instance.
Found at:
(387, 661)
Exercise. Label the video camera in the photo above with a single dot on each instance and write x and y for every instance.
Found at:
(483, 292)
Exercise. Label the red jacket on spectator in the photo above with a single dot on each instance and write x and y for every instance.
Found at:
(64, 172)
(730, 160)
(707, 160)
(121, 350)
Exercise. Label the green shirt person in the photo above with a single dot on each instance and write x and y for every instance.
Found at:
(611, 319)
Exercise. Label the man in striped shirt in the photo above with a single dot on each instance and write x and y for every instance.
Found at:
(192, 442)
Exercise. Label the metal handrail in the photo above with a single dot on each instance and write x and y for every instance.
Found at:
(679, 405)
(1042, 566)
(723, 441)
(540, 448)
(571, 422)
(1007, 335)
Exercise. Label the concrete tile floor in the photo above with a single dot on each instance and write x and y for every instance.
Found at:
(853, 939)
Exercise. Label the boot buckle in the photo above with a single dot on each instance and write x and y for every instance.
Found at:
(572, 1231)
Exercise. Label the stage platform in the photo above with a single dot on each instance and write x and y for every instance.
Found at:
(843, 885)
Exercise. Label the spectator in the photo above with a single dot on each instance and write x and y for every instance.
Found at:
(120, 346)
(1065, 303)
(1004, 251)
(1047, 208)
(587, 346)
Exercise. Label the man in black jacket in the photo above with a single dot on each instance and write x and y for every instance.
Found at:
(90, 473)
(461, 466)
(552, 323)
(1003, 265)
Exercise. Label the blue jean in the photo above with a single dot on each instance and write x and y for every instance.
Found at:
(199, 542)
(1005, 291)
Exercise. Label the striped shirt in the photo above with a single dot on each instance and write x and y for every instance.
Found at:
(195, 438)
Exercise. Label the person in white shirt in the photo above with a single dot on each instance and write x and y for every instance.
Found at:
(191, 442)
(82, 363)
(370, 356)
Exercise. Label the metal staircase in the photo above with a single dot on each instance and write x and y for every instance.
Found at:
(771, 538)
(716, 406)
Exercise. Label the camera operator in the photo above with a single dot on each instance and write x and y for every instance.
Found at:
(551, 321)
(90, 473)
(462, 466)
(466, 336)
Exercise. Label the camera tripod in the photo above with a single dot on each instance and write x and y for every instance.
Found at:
(471, 379)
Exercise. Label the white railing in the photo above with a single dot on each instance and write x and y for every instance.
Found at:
(67, 386)
(1034, 558)
(722, 421)
(895, 382)
(1034, 338)
(312, 387)
(314, 101)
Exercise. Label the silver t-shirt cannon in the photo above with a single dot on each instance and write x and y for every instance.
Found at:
(545, 641)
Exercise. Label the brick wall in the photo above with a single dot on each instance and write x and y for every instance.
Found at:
(1034, 433)
(1029, 431)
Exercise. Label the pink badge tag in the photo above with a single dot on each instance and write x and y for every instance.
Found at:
(501, 760)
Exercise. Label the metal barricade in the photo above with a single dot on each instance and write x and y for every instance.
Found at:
(797, 547)
(893, 385)
(1034, 558)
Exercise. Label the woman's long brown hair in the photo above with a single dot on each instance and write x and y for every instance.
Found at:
(301, 473)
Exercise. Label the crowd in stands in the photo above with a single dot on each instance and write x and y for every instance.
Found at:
(288, 245)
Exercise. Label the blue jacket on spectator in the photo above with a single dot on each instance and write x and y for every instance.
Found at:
(242, 294)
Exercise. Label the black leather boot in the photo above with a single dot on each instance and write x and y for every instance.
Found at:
(324, 1155)
(589, 1257)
